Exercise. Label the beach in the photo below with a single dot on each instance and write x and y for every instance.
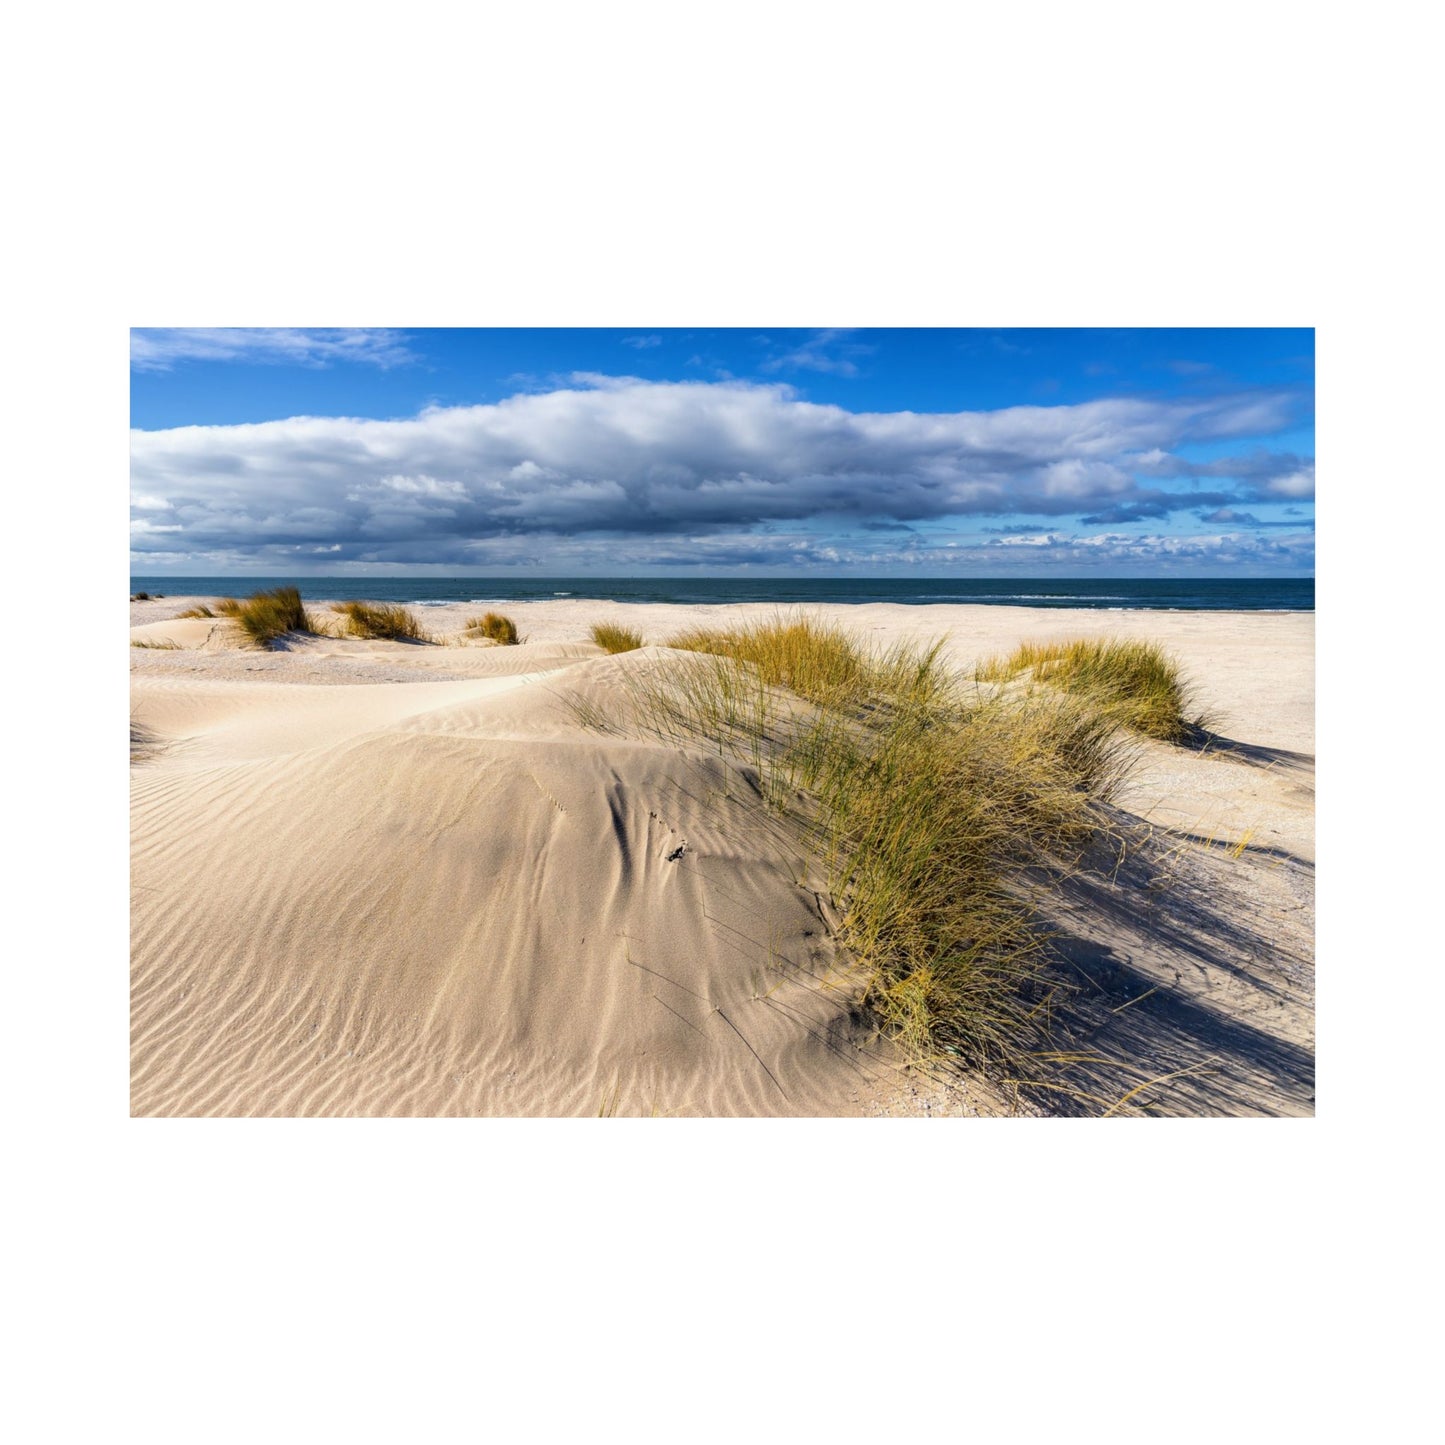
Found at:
(387, 878)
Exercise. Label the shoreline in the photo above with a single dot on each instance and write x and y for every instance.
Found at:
(1152, 593)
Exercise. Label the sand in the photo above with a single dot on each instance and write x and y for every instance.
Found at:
(379, 878)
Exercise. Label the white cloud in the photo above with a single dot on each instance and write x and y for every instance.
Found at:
(1087, 481)
(619, 456)
(161, 348)
(825, 351)
(1265, 474)
(1294, 485)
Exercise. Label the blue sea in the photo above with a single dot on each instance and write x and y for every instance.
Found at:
(1121, 594)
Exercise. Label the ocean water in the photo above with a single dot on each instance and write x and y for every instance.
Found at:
(1221, 594)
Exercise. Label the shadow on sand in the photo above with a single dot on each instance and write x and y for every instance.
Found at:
(1255, 755)
(1183, 983)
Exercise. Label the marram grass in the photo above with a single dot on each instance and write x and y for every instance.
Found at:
(1137, 683)
(267, 616)
(368, 619)
(924, 802)
(815, 661)
(614, 637)
(495, 627)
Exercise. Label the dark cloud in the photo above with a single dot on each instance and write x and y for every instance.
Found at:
(1128, 512)
(619, 457)
(1264, 475)
(1230, 515)
(1233, 517)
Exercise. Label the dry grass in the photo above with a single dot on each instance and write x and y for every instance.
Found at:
(158, 644)
(267, 616)
(815, 661)
(368, 619)
(495, 627)
(1136, 683)
(614, 637)
(198, 611)
(144, 742)
(925, 803)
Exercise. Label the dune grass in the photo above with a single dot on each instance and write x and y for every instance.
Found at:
(267, 616)
(156, 644)
(815, 661)
(145, 743)
(201, 610)
(926, 804)
(614, 637)
(140, 597)
(1137, 683)
(368, 619)
(495, 627)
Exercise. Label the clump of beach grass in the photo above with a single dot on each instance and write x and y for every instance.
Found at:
(494, 627)
(369, 619)
(156, 644)
(1136, 682)
(200, 610)
(614, 637)
(267, 616)
(815, 661)
(930, 807)
(144, 741)
(140, 597)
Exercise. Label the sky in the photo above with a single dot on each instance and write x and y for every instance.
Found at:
(745, 451)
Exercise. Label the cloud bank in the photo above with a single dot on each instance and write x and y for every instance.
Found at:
(717, 469)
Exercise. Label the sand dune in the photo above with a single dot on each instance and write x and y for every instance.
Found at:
(411, 900)
(201, 633)
(355, 894)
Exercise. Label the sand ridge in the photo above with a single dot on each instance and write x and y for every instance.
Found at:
(364, 900)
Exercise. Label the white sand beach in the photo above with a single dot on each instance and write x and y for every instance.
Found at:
(384, 878)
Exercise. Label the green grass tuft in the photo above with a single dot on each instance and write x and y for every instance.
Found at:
(496, 627)
(200, 610)
(1136, 683)
(927, 805)
(815, 661)
(367, 619)
(267, 616)
(614, 637)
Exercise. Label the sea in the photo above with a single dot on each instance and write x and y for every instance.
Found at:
(1120, 594)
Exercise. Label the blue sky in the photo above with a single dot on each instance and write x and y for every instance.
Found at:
(747, 450)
